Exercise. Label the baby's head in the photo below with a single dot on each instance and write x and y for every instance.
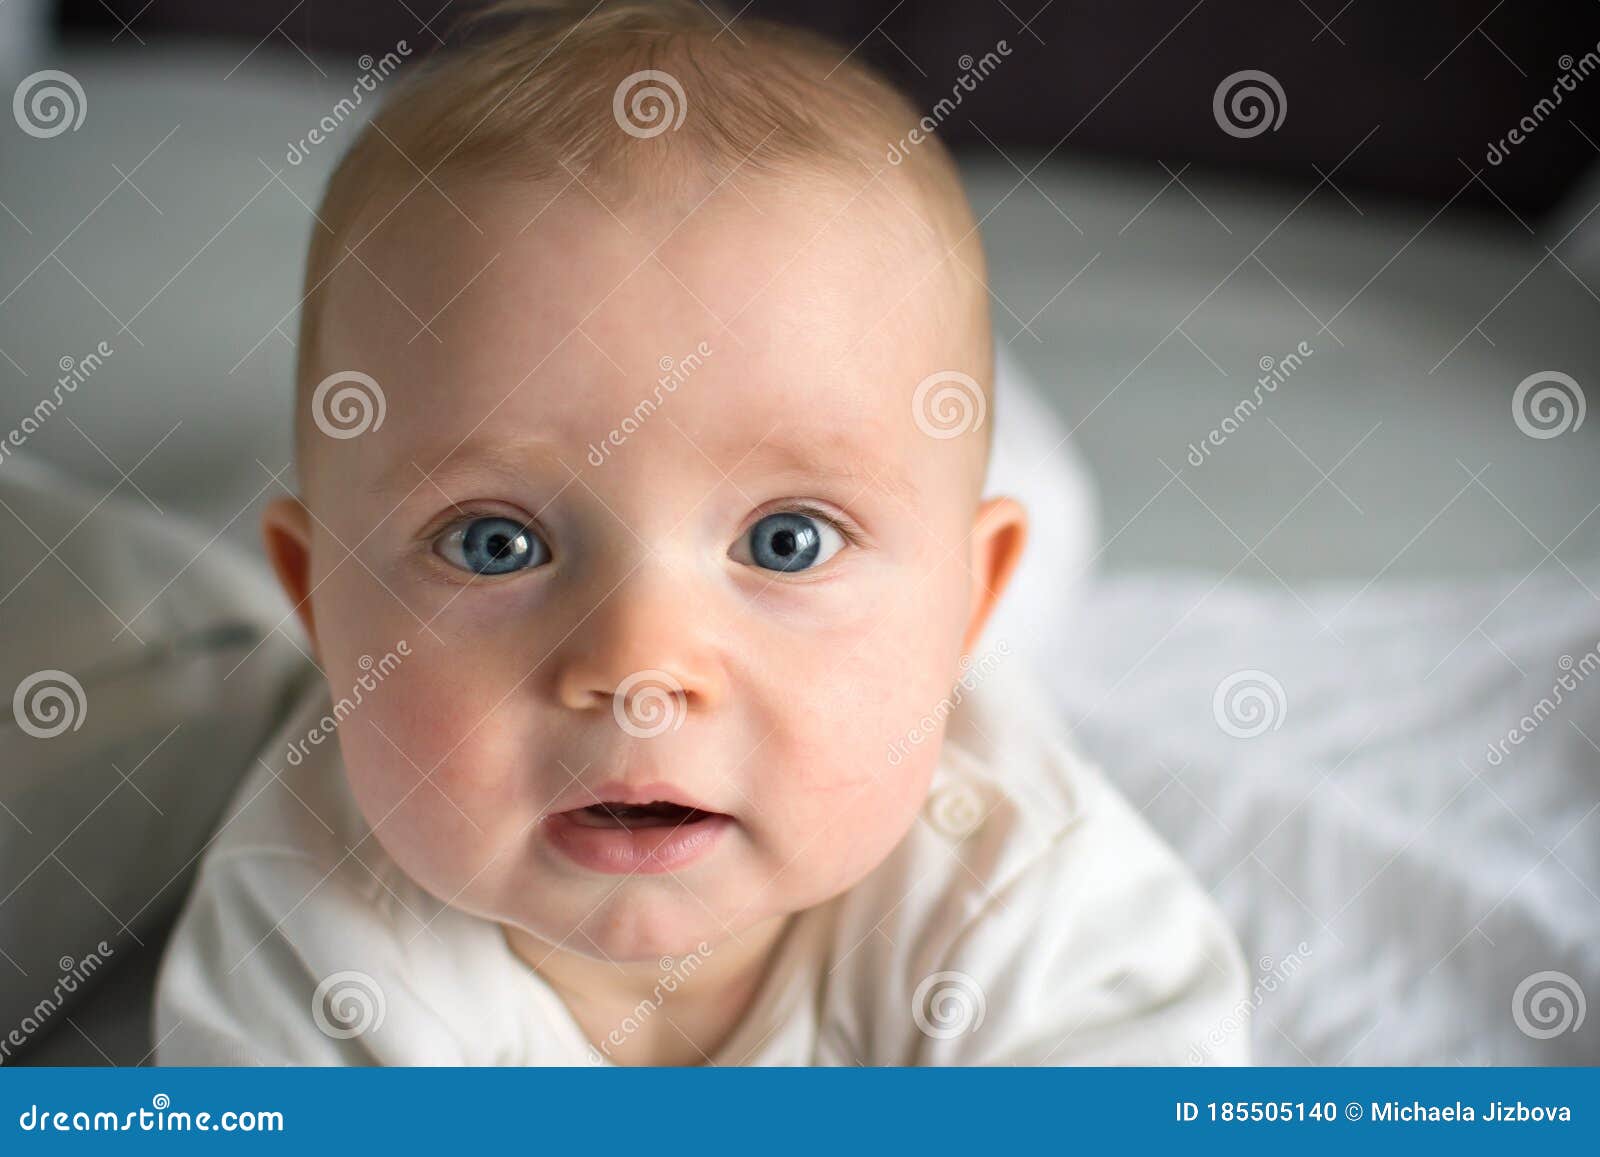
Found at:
(670, 477)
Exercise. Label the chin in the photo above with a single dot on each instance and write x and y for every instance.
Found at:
(660, 950)
(639, 932)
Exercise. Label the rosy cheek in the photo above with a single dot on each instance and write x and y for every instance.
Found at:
(419, 733)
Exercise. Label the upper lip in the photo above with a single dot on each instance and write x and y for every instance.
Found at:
(618, 792)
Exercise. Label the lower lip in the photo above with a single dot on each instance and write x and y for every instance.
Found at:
(635, 851)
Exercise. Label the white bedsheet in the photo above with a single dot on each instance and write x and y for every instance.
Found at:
(1394, 886)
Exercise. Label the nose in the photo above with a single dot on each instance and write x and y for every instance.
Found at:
(646, 653)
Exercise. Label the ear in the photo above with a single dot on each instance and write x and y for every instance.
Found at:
(999, 533)
(286, 533)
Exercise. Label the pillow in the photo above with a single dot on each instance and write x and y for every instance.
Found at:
(140, 674)
(1035, 461)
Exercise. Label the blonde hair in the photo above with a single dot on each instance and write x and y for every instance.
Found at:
(540, 90)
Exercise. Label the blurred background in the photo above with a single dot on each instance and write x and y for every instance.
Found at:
(1400, 532)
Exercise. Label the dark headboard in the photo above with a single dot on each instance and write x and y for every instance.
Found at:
(1418, 90)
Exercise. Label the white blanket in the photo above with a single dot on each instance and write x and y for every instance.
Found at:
(1413, 884)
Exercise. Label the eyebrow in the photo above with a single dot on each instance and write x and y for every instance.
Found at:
(472, 457)
(837, 459)
(840, 459)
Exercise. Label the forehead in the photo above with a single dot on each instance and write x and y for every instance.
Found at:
(500, 307)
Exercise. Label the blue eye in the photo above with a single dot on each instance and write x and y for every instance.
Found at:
(493, 545)
(789, 541)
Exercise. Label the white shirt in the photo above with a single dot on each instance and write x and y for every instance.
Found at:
(1029, 917)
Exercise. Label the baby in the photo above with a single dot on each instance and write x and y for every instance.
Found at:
(641, 545)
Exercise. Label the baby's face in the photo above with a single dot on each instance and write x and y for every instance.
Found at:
(675, 561)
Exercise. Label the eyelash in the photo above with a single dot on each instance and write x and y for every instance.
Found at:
(847, 530)
(466, 513)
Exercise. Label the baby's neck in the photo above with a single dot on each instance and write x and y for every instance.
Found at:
(672, 1011)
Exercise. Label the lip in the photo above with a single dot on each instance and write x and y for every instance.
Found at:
(635, 851)
(643, 851)
(616, 791)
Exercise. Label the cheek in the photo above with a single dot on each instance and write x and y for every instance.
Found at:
(847, 785)
(866, 684)
(449, 727)
(427, 762)
(842, 813)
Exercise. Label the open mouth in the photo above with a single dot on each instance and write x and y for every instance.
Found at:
(633, 816)
(618, 828)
